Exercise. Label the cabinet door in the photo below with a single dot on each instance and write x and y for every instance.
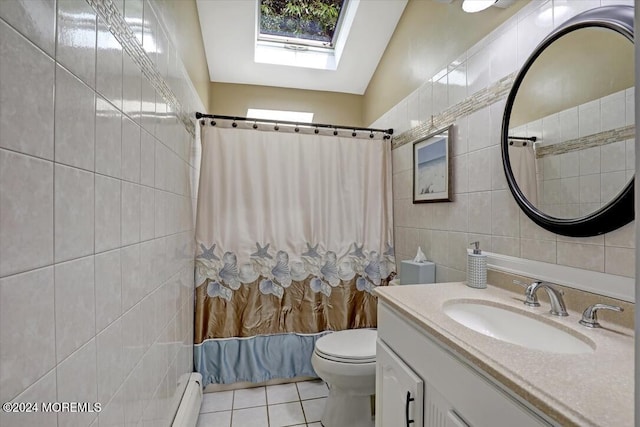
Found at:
(454, 420)
(399, 391)
(437, 411)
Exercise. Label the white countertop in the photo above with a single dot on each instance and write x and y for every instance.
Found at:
(593, 389)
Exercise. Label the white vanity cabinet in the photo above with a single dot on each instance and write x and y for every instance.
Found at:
(398, 390)
(404, 399)
(448, 392)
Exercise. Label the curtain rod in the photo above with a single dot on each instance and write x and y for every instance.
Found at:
(523, 138)
(286, 122)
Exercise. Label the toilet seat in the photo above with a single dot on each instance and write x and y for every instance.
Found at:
(353, 346)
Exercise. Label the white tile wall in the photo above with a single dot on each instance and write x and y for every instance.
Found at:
(556, 172)
(28, 352)
(109, 66)
(96, 268)
(108, 292)
(22, 61)
(480, 187)
(74, 213)
(130, 150)
(27, 206)
(77, 382)
(75, 305)
(107, 213)
(108, 140)
(76, 39)
(43, 390)
(38, 27)
(75, 112)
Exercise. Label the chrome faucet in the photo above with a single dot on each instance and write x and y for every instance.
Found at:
(590, 316)
(555, 297)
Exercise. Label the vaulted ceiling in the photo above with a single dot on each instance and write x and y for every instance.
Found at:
(229, 33)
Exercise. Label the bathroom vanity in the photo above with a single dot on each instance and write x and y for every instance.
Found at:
(432, 371)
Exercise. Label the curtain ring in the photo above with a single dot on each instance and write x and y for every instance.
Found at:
(354, 133)
(335, 131)
(255, 125)
(213, 123)
(202, 123)
(316, 131)
(371, 135)
(297, 129)
(276, 127)
(234, 124)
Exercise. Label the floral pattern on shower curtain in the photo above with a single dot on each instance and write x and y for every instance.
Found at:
(294, 233)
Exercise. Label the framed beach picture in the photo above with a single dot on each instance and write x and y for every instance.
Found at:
(431, 168)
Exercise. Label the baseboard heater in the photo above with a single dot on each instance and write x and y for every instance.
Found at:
(189, 408)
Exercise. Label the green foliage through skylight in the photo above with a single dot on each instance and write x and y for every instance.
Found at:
(300, 19)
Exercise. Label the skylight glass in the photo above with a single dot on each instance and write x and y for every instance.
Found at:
(291, 116)
(300, 22)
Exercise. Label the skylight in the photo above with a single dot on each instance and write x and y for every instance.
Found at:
(291, 116)
(300, 24)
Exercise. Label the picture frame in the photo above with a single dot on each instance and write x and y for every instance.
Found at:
(431, 167)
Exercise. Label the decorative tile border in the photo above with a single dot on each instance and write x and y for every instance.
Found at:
(589, 141)
(479, 100)
(130, 44)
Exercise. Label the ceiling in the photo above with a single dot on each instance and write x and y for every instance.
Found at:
(229, 35)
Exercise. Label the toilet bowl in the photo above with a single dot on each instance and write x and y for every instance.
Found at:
(346, 361)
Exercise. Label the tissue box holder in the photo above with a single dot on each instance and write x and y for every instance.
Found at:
(417, 272)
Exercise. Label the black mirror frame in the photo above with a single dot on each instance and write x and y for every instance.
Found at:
(619, 211)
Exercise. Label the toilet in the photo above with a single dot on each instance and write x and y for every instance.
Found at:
(346, 361)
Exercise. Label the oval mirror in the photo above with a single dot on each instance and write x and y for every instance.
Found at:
(568, 132)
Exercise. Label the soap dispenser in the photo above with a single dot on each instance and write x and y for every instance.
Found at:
(476, 268)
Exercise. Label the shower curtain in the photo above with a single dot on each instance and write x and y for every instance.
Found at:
(294, 233)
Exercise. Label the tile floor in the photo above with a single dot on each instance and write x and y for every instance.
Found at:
(295, 404)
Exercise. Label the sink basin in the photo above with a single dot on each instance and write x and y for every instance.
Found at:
(516, 328)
